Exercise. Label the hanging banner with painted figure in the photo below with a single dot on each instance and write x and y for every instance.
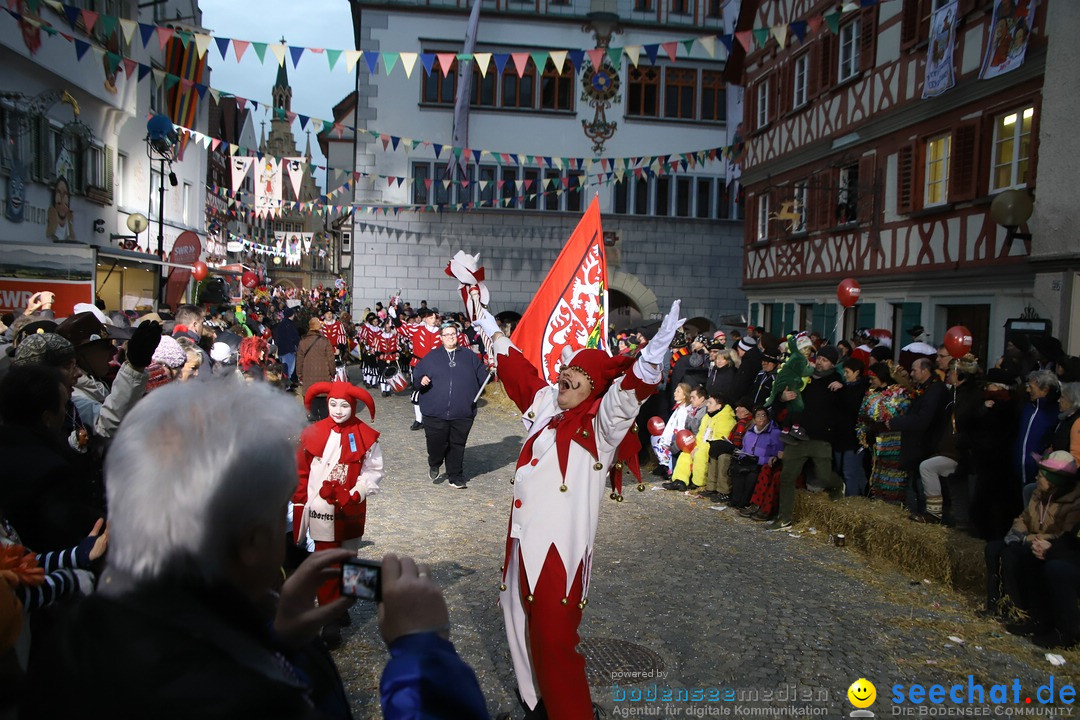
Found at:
(267, 186)
(939, 56)
(1009, 33)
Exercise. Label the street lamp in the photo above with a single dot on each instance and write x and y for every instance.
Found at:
(161, 141)
(136, 223)
(1011, 209)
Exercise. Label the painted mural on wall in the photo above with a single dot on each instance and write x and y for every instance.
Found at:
(59, 226)
(1011, 29)
(15, 195)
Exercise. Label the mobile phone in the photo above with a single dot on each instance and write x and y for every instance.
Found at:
(362, 579)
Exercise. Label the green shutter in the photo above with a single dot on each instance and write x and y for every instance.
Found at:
(753, 313)
(911, 315)
(776, 325)
(825, 320)
(789, 317)
(108, 182)
(867, 313)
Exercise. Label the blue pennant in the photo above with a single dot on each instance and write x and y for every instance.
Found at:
(576, 58)
(296, 52)
(222, 46)
(651, 51)
(372, 60)
(428, 59)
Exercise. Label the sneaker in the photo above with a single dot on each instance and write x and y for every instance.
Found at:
(433, 473)
(759, 516)
(678, 485)
(722, 497)
(779, 525)
(458, 484)
(749, 511)
(416, 425)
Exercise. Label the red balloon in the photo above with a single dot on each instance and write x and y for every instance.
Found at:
(249, 279)
(685, 441)
(656, 426)
(958, 341)
(199, 270)
(848, 292)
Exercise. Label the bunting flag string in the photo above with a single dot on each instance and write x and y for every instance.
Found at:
(755, 38)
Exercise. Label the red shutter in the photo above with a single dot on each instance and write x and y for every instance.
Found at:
(868, 39)
(826, 68)
(820, 201)
(905, 179)
(964, 162)
(867, 190)
(783, 80)
(750, 107)
(909, 23)
(812, 72)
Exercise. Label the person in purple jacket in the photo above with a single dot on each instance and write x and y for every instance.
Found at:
(762, 443)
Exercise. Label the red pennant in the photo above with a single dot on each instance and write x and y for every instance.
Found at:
(596, 57)
(521, 61)
(446, 62)
(670, 48)
(814, 23)
(89, 17)
(129, 66)
(239, 46)
(164, 35)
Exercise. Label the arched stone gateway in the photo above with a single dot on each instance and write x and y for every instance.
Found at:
(632, 303)
(286, 283)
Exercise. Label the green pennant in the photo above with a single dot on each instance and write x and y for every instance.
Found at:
(540, 60)
(260, 50)
(464, 57)
(185, 37)
(457, 152)
(107, 24)
(833, 21)
(615, 56)
(171, 80)
(332, 57)
(114, 61)
(50, 30)
(389, 60)
(761, 36)
(689, 45)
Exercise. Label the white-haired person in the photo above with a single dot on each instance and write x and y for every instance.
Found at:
(188, 621)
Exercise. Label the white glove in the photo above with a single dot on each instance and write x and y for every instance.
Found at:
(487, 323)
(655, 350)
(85, 580)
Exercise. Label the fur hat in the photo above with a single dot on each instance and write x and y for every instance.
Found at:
(340, 390)
(169, 353)
(44, 349)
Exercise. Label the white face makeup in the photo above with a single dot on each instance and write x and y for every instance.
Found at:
(340, 410)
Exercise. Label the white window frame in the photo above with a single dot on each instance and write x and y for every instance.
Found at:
(1017, 136)
(849, 51)
(763, 217)
(799, 80)
(763, 102)
(932, 158)
(95, 166)
(186, 206)
(800, 194)
(120, 179)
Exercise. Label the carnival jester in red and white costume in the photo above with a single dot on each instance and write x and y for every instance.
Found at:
(578, 430)
(340, 464)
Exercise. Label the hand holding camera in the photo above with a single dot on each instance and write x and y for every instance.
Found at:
(411, 601)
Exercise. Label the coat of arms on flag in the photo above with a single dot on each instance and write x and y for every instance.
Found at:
(569, 309)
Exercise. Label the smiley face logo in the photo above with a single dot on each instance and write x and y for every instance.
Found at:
(862, 693)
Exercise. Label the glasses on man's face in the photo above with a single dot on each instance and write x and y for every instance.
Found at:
(449, 334)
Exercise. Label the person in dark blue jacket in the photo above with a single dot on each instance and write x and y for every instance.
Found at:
(287, 339)
(1038, 419)
(449, 379)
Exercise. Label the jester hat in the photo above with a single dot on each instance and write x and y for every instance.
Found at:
(340, 390)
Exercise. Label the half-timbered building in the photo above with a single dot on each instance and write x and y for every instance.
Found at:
(852, 173)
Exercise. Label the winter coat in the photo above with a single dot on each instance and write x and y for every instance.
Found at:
(922, 425)
(823, 409)
(845, 438)
(451, 394)
(314, 360)
(1049, 517)
(1037, 422)
(690, 369)
(102, 407)
(763, 444)
(286, 337)
(723, 382)
(1067, 435)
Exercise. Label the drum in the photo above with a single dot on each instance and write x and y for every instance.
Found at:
(398, 382)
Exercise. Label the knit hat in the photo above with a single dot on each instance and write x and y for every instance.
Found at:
(1059, 467)
(830, 353)
(169, 353)
(47, 349)
(220, 352)
(746, 343)
(340, 390)
(803, 341)
(720, 336)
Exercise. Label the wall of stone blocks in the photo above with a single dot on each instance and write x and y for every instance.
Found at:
(697, 260)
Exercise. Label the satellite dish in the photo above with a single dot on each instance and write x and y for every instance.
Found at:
(137, 222)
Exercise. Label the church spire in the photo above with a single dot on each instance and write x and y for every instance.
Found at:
(307, 149)
(282, 91)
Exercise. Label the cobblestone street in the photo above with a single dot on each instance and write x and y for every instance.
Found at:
(693, 597)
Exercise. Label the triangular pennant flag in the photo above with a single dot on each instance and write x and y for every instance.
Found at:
(746, 39)
(72, 14)
(113, 60)
(408, 60)
(202, 43)
(389, 61)
(171, 80)
(596, 57)
(107, 25)
(260, 50)
(500, 62)
(446, 63)
(129, 66)
(483, 62)
(577, 58)
(670, 49)
(438, 150)
(708, 43)
(814, 23)
(688, 45)
(558, 58)
(296, 53)
(651, 51)
(80, 48)
(164, 35)
(726, 41)
(633, 52)
(184, 37)
(394, 140)
(127, 27)
(798, 29)
(833, 21)
(144, 70)
(761, 36)
(279, 52)
(99, 52)
(521, 62)
(372, 60)
(428, 61)
(780, 33)
(332, 57)
(615, 55)
(540, 60)
(351, 58)
(222, 46)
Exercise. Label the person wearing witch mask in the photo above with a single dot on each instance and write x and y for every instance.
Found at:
(340, 464)
(578, 431)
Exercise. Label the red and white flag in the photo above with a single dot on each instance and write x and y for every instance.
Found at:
(570, 307)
